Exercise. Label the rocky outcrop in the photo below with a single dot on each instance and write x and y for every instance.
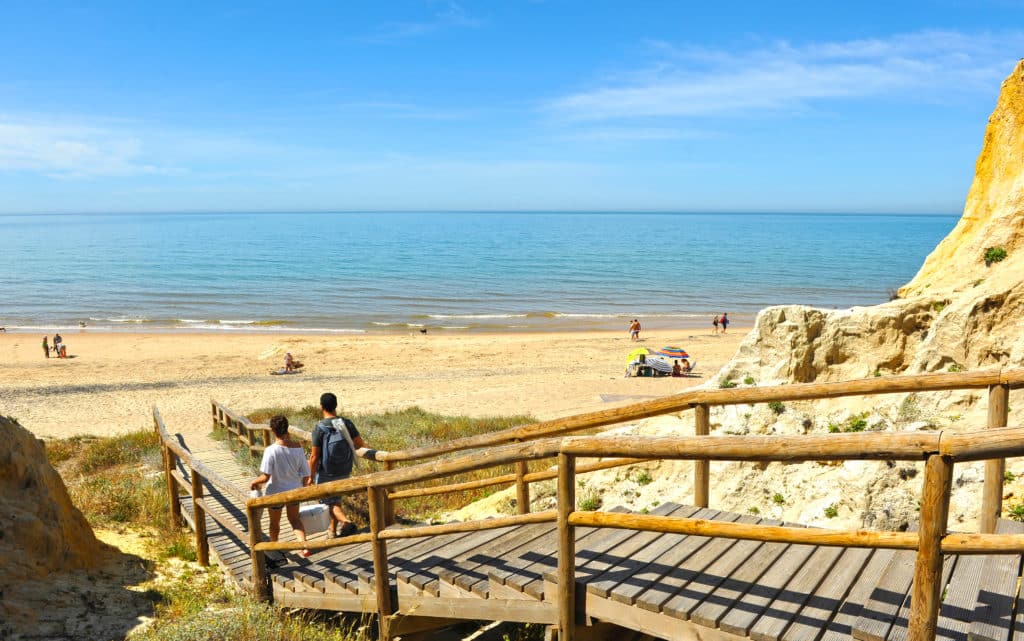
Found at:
(41, 532)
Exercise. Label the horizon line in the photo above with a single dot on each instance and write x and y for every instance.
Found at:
(764, 212)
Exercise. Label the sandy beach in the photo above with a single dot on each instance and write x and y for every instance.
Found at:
(111, 380)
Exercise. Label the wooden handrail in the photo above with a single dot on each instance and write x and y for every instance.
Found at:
(769, 533)
(735, 396)
(192, 463)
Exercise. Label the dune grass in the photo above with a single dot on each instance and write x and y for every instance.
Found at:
(118, 481)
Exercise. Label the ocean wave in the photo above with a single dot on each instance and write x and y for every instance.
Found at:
(476, 316)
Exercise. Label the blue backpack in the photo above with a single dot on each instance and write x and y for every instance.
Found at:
(338, 453)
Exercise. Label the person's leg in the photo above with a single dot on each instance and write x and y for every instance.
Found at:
(292, 510)
(275, 523)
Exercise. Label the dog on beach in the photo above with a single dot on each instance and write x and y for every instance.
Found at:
(423, 331)
(3, 329)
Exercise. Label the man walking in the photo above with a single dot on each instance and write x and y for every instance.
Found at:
(336, 441)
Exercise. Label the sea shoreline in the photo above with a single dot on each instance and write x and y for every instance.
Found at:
(538, 324)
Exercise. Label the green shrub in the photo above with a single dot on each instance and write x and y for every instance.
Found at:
(831, 511)
(877, 373)
(833, 428)
(777, 406)
(954, 368)
(994, 255)
(1016, 512)
(644, 478)
(1009, 476)
(778, 499)
(939, 305)
(857, 423)
(726, 383)
(749, 380)
(753, 509)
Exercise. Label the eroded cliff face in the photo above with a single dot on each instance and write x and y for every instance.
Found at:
(993, 213)
(41, 532)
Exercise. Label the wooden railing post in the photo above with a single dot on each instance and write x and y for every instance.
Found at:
(522, 487)
(995, 469)
(389, 504)
(926, 592)
(250, 437)
(267, 437)
(202, 544)
(260, 590)
(701, 469)
(382, 584)
(173, 502)
(213, 414)
(566, 548)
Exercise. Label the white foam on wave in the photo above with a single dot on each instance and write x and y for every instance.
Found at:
(476, 316)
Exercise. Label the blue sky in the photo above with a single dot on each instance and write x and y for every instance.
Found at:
(424, 105)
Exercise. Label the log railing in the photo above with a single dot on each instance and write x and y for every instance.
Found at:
(701, 402)
(173, 453)
(938, 450)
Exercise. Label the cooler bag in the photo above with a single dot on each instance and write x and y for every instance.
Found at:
(315, 518)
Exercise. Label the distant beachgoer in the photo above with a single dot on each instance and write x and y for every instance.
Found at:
(714, 324)
(63, 350)
(57, 340)
(725, 322)
(677, 369)
(634, 330)
(284, 465)
(46, 347)
(289, 362)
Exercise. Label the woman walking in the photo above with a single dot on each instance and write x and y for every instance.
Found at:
(284, 465)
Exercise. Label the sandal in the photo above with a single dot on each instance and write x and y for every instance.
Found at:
(305, 554)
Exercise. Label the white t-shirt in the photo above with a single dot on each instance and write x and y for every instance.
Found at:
(287, 466)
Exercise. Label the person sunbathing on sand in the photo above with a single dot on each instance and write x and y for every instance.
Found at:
(290, 364)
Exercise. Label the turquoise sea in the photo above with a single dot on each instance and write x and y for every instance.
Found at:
(358, 272)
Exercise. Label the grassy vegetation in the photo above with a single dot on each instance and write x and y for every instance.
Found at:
(1015, 512)
(994, 255)
(118, 481)
(856, 423)
(407, 429)
(749, 380)
(831, 511)
(777, 406)
(726, 383)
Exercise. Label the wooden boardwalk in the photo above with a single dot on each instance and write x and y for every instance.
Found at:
(672, 586)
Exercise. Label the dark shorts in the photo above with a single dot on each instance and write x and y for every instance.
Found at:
(326, 478)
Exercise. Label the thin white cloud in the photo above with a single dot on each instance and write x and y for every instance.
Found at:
(71, 151)
(694, 81)
(453, 16)
(635, 134)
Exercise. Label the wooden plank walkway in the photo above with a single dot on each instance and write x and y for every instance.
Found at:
(671, 586)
